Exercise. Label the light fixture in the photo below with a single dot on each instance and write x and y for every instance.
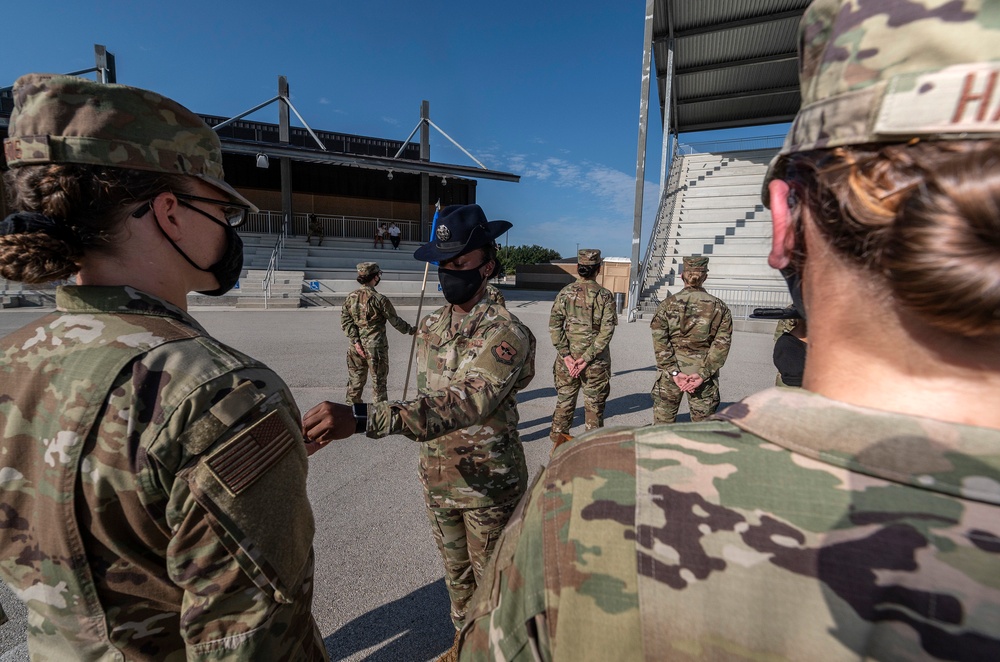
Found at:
(444, 181)
(389, 175)
(262, 161)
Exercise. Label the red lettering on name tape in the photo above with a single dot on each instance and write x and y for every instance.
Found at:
(978, 102)
(12, 149)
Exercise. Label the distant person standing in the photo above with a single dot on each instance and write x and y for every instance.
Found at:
(315, 230)
(581, 325)
(380, 232)
(692, 331)
(363, 317)
(394, 233)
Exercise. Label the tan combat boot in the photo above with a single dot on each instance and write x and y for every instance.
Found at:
(558, 439)
(450, 655)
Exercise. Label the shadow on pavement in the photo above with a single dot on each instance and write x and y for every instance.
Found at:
(534, 394)
(416, 627)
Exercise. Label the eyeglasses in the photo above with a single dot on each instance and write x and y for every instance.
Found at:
(234, 214)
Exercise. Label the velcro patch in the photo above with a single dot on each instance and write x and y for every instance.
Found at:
(959, 99)
(504, 352)
(251, 453)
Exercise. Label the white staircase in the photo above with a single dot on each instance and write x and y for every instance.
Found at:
(717, 213)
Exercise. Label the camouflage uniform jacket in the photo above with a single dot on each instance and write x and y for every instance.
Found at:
(364, 314)
(796, 528)
(466, 409)
(582, 320)
(692, 332)
(138, 459)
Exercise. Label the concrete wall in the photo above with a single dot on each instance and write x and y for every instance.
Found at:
(556, 275)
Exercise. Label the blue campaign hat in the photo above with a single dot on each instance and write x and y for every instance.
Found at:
(460, 229)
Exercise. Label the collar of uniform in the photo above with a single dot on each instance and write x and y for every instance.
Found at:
(470, 322)
(961, 460)
(84, 299)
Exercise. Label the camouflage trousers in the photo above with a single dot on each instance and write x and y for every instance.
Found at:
(358, 367)
(667, 399)
(596, 382)
(466, 538)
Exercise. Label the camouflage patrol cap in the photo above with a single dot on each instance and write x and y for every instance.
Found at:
(884, 71)
(368, 269)
(696, 263)
(588, 256)
(66, 119)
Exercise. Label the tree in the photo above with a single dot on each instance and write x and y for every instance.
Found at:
(512, 256)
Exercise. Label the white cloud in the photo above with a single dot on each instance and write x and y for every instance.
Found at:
(324, 101)
(390, 120)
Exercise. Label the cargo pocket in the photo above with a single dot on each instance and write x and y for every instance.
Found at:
(253, 489)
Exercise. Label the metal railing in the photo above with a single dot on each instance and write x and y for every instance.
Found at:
(742, 300)
(664, 213)
(272, 265)
(351, 227)
(733, 145)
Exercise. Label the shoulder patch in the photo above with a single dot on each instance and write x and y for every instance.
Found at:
(249, 455)
(504, 352)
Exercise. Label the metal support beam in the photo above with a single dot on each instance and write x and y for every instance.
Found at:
(640, 165)
(425, 155)
(284, 131)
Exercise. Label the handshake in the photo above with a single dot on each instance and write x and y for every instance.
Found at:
(688, 383)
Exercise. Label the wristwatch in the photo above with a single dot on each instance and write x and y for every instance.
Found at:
(360, 411)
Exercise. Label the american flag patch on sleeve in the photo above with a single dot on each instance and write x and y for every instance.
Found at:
(251, 453)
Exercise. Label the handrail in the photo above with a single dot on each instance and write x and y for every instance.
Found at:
(272, 264)
(672, 188)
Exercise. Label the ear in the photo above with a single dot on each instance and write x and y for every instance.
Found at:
(165, 208)
(782, 232)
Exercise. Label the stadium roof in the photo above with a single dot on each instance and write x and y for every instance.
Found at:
(734, 62)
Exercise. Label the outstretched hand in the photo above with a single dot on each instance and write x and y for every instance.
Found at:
(326, 422)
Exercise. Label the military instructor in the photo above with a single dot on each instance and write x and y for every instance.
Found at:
(473, 358)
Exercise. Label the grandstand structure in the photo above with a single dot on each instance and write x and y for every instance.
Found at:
(719, 64)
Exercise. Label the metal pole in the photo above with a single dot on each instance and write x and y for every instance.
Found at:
(284, 131)
(425, 155)
(640, 165)
(413, 342)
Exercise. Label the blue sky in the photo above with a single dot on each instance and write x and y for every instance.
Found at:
(548, 90)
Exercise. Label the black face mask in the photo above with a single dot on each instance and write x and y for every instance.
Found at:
(227, 269)
(460, 285)
(794, 281)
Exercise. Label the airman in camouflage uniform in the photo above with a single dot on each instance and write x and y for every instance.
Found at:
(144, 463)
(692, 331)
(363, 317)
(677, 542)
(581, 325)
(473, 357)
(799, 525)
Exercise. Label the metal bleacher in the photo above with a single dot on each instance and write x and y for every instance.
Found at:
(715, 210)
(308, 275)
